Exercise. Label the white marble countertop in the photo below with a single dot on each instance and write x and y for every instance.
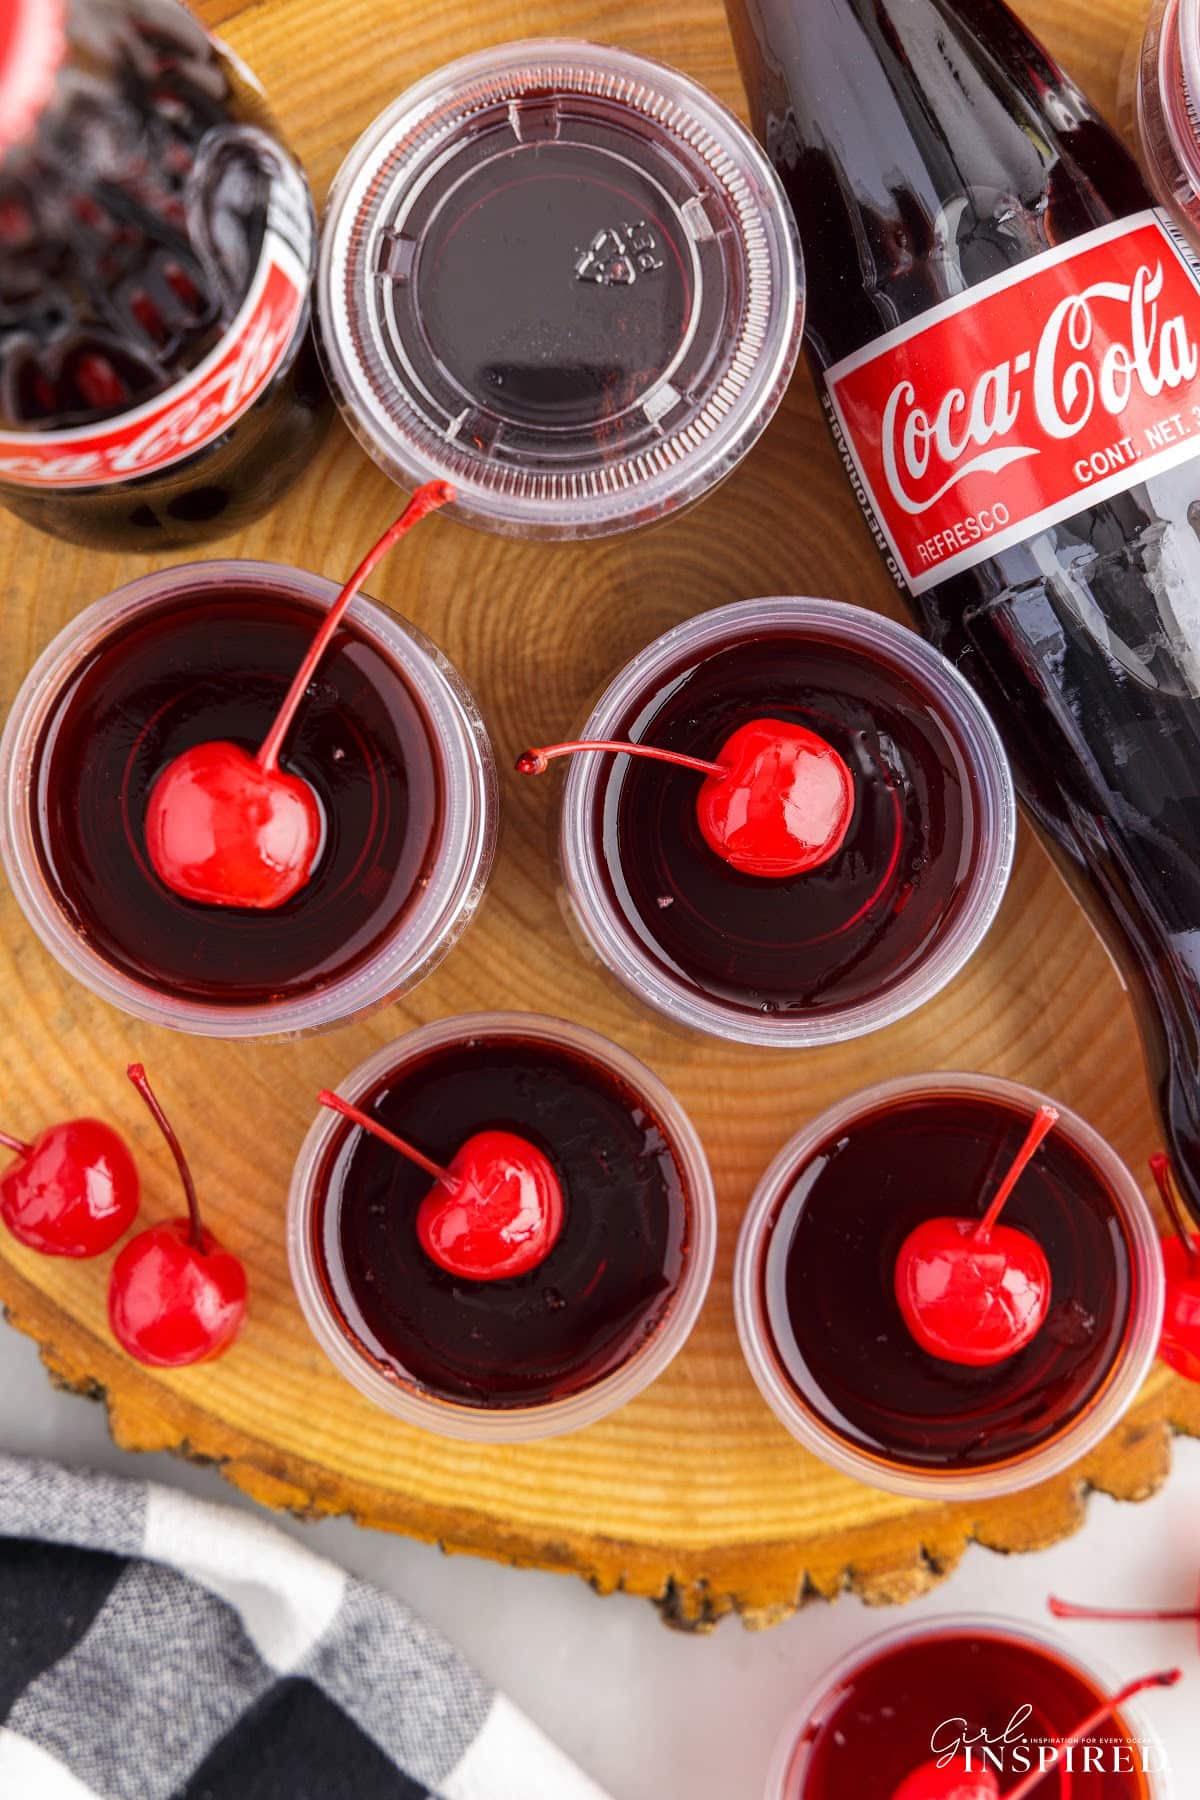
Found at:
(651, 1714)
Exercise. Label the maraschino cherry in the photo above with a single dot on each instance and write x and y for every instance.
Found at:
(175, 1296)
(73, 1191)
(974, 1291)
(495, 1212)
(228, 828)
(956, 1782)
(777, 801)
(1180, 1342)
(949, 1781)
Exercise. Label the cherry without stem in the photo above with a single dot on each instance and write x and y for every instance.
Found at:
(175, 1295)
(955, 1781)
(1179, 1345)
(777, 802)
(227, 828)
(496, 1212)
(975, 1292)
(72, 1192)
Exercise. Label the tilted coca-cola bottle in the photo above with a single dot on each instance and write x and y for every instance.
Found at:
(1006, 335)
(157, 380)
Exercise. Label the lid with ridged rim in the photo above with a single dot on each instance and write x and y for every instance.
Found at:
(564, 278)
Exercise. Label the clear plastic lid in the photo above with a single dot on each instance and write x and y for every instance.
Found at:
(565, 278)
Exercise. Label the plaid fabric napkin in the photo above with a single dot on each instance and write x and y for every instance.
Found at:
(157, 1647)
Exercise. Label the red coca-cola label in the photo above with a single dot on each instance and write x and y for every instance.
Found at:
(187, 416)
(1026, 399)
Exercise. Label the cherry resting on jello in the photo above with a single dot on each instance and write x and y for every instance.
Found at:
(1180, 1342)
(607, 1286)
(228, 828)
(827, 1282)
(954, 1781)
(73, 1191)
(777, 801)
(175, 1296)
(974, 1291)
(949, 1781)
(495, 1212)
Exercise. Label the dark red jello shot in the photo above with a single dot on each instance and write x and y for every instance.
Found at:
(861, 935)
(992, 1699)
(564, 278)
(387, 736)
(829, 1332)
(561, 1343)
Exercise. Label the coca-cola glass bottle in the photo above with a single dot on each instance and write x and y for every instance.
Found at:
(157, 379)
(1006, 334)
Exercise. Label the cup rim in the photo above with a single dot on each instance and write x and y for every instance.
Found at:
(524, 1424)
(1129, 1367)
(782, 1766)
(570, 502)
(619, 949)
(1176, 69)
(427, 930)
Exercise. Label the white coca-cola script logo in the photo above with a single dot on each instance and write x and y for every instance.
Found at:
(1098, 349)
(1026, 400)
(204, 413)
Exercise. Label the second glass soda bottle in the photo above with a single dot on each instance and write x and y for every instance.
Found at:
(158, 383)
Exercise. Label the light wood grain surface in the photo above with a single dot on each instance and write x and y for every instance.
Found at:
(692, 1495)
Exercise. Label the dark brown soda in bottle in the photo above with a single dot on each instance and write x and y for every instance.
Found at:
(1006, 335)
(158, 382)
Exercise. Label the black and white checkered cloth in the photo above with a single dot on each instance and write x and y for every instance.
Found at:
(157, 1647)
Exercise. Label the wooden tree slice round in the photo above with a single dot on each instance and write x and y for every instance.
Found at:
(693, 1495)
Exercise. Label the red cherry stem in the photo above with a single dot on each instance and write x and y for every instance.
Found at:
(426, 500)
(336, 1104)
(137, 1075)
(1164, 1678)
(1066, 1609)
(15, 1144)
(1164, 1181)
(535, 762)
(1044, 1121)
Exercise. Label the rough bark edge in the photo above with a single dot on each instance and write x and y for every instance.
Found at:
(762, 1584)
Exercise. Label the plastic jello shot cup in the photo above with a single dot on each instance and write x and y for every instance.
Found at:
(1004, 1694)
(868, 933)
(594, 1320)
(388, 737)
(833, 1348)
